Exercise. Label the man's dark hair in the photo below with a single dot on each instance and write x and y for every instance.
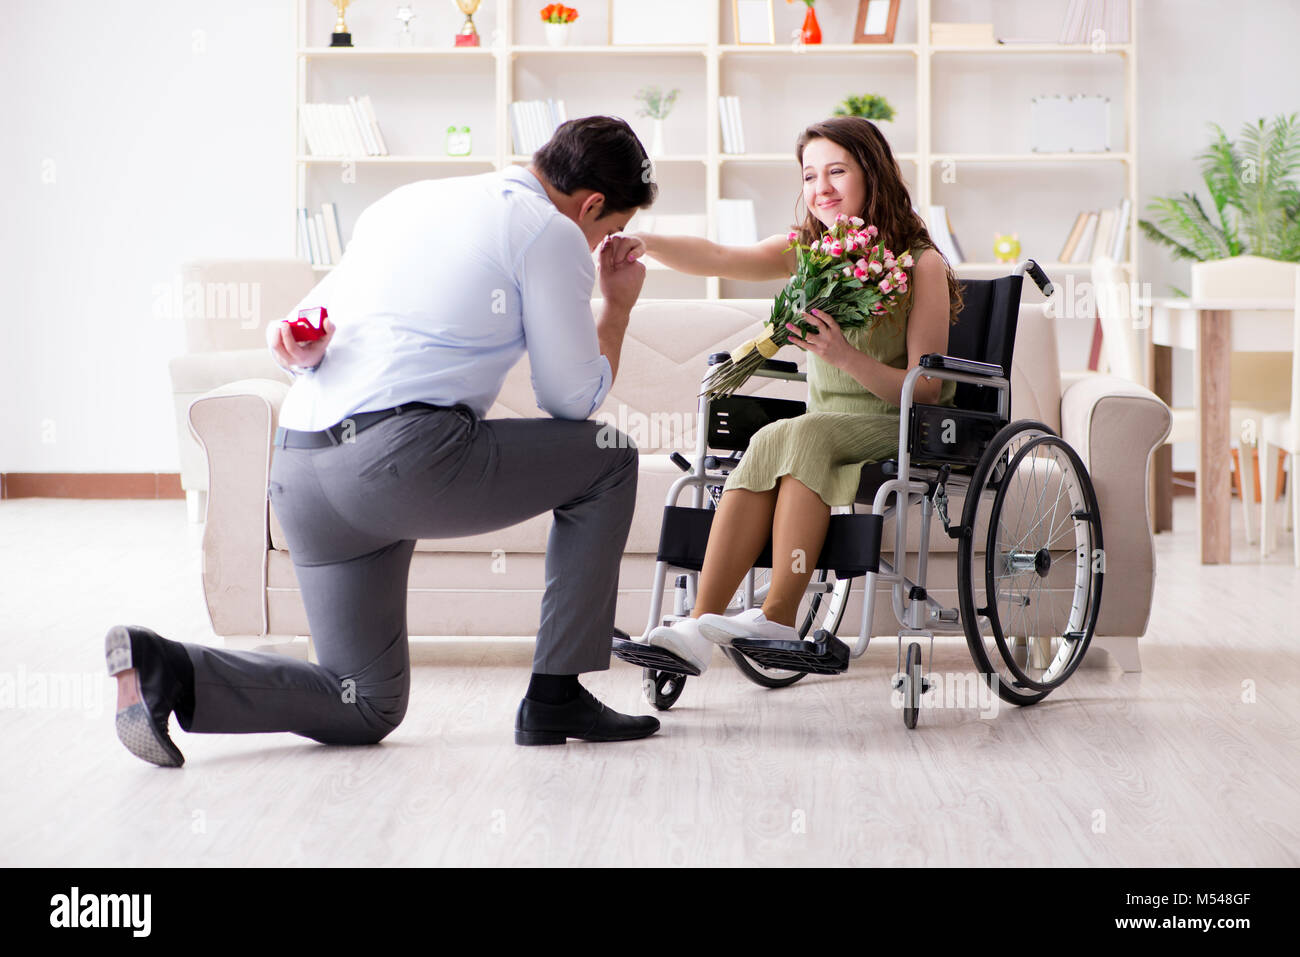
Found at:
(602, 154)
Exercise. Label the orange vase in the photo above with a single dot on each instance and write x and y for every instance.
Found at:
(812, 31)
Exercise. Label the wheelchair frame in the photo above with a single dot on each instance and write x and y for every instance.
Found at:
(918, 614)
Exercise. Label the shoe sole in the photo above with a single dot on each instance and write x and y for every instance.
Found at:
(535, 738)
(653, 657)
(720, 636)
(135, 727)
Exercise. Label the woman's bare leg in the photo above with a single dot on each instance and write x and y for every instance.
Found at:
(740, 530)
(799, 526)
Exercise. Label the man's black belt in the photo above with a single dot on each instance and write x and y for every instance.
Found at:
(338, 433)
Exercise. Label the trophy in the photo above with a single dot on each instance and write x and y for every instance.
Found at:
(405, 38)
(468, 36)
(340, 37)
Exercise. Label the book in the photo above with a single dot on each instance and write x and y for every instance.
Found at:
(1084, 249)
(937, 223)
(1072, 25)
(1105, 232)
(369, 109)
(304, 237)
(1119, 242)
(330, 218)
(1072, 240)
(321, 243)
(313, 241)
(363, 126)
(737, 126)
(724, 120)
(952, 234)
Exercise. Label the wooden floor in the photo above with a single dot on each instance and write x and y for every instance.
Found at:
(1191, 762)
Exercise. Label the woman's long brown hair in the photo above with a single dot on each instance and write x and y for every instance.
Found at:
(888, 205)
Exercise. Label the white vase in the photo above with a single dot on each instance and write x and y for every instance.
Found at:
(657, 139)
(557, 34)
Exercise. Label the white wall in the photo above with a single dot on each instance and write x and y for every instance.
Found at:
(167, 144)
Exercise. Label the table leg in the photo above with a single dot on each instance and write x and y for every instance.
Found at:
(1162, 384)
(1213, 479)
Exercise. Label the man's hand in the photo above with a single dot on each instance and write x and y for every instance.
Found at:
(621, 275)
(289, 352)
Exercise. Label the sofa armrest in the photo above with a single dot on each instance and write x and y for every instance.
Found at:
(1116, 425)
(235, 426)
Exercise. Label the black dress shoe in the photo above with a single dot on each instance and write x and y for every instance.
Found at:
(152, 681)
(584, 717)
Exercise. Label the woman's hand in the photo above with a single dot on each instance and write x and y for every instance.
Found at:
(624, 249)
(827, 343)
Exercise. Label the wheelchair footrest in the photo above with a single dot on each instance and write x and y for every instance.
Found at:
(648, 656)
(825, 656)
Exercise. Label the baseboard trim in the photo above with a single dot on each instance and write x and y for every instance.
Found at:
(91, 485)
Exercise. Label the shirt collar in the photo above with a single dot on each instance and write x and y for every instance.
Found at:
(519, 174)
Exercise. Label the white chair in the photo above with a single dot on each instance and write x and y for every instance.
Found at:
(1260, 380)
(1281, 431)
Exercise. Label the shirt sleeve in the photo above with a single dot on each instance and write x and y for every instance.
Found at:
(556, 277)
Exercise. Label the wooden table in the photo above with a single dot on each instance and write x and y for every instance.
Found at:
(1208, 327)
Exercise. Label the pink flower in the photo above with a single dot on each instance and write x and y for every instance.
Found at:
(899, 276)
(837, 248)
(792, 236)
(857, 221)
(842, 218)
(885, 286)
(860, 270)
(907, 260)
(888, 254)
(848, 270)
(875, 267)
(873, 232)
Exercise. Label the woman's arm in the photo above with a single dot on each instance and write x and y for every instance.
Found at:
(927, 331)
(700, 257)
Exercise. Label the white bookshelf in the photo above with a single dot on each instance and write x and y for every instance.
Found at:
(915, 75)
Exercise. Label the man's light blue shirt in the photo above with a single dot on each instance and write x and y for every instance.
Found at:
(444, 286)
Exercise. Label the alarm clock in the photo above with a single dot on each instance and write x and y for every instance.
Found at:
(459, 142)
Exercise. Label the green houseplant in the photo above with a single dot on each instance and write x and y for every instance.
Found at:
(1256, 198)
(656, 104)
(869, 106)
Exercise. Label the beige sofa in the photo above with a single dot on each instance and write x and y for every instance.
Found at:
(492, 584)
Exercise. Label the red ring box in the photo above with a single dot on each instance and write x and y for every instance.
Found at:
(302, 328)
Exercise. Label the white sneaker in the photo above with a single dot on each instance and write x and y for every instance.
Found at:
(683, 639)
(720, 629)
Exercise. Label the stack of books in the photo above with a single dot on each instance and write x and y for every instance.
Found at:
(1085, 17)
(1098, 233)
(961, 34)
(319, 238)
(533, 123)
(342, 129)
(941, 234)
(733, 131)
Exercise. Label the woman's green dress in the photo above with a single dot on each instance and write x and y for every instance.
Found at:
(845, 426)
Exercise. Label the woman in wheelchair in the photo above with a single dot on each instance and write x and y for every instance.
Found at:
(796, 470)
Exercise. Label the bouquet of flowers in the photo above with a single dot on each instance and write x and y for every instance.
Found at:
(846, 275)
(558, 13)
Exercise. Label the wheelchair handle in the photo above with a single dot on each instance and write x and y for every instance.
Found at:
(1039, 277)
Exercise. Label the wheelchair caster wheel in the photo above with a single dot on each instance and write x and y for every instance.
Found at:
(914, 685)
(662, 688)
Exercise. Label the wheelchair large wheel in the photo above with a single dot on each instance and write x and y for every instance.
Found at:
(1030, 562)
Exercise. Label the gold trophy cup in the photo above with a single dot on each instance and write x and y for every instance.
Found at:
(340, 37)
(468, 36)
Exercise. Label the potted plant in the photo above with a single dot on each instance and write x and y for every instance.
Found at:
(556, 18)
(1253, 183)
(869, 106)
(656, 104)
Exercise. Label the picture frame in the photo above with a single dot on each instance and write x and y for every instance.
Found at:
(662, 23)
(876, 21)
(753, 22)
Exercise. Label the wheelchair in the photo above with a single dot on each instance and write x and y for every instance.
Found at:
(1029, 558)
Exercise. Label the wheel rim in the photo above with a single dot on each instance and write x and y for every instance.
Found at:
(1041, 583)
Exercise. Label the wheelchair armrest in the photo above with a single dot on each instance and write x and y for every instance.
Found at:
(933, 360)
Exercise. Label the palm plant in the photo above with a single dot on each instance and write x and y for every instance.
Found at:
(1256, 198)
